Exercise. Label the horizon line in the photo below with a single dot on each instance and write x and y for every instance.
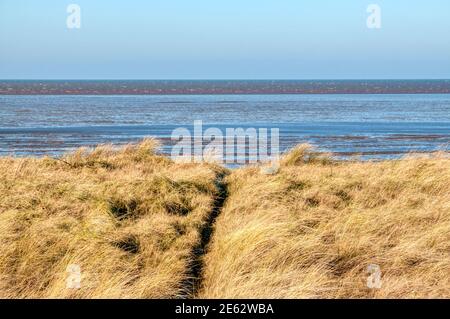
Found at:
(236, 80)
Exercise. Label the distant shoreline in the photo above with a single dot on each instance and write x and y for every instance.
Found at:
(221, 87)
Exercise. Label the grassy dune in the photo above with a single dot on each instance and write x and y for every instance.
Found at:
(313, 229)
(133, 222)
(127, 218)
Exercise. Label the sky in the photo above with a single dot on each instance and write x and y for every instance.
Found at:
(225, 39)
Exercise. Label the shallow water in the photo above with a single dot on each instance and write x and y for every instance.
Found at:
(374, 126)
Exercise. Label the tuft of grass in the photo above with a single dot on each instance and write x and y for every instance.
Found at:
(126, 217)
(313, 229)
(122, 208)
(304, 154)
(137, 225)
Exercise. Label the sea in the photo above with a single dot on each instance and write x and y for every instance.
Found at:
(366, 120)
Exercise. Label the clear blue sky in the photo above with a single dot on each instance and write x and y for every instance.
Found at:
(224, 39)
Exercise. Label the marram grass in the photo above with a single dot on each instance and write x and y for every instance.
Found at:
(131, 221)
(313, 229)
(127, 218)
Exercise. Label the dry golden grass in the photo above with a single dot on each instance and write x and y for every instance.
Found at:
(132, 219)
(313, 229)
(127, 217)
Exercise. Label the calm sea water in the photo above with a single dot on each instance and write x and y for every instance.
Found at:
(375, 126)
